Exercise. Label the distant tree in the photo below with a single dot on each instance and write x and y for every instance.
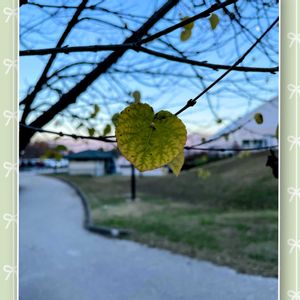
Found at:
(36, 149)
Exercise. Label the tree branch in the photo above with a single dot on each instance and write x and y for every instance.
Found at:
(106, 139)
(96, 48)
(203, 14)
(133, 46)
(43, 78)
(215, 67)
(193, 101)
(71, 96)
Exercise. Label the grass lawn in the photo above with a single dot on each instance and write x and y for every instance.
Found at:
(229, 218)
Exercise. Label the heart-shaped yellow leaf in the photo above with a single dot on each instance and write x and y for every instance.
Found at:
(177, 163)
(149, 140)
(114, 118)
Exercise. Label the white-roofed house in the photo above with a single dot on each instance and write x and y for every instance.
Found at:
(246, 133)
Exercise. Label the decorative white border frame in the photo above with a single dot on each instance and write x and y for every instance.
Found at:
(289, 245)
(289, 188)
(294, 140)
(9, 213)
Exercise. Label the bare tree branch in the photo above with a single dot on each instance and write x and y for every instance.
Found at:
(71, 96)
(95, 48)
(43, 78)
(193, 101)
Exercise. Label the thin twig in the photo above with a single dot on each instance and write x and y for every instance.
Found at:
(203, 14)
(95, 48)
(193, 101)
(133, 46)
(106, 139)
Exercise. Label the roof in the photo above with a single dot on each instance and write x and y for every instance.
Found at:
(269, 110)
(245, 128)
(91, 155)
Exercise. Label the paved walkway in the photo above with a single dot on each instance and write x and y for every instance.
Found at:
(59, 260)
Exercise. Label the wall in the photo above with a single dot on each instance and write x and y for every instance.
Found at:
(94, 168)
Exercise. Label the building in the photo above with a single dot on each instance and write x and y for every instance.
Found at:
(123, 167)
(245, 132)
(92, 162)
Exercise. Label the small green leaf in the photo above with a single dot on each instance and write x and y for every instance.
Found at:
(114, 118)
(91, 131)
(96, 111)
(258, 117)
(219, 121)
(188, 26)
(214, 21)
(107, 129)
(185, 35)
(96, 108)
(149, 140)
(136, 96)
(177, 163)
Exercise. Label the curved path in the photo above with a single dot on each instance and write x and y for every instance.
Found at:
(59, 260)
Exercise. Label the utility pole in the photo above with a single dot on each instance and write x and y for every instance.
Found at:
(133, 183)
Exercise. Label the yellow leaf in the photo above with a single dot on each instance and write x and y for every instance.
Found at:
(96, 108)
(149, 140)
(185, 35)
(188, 26)
(214, 21)
(258, 117)
(177, 163)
